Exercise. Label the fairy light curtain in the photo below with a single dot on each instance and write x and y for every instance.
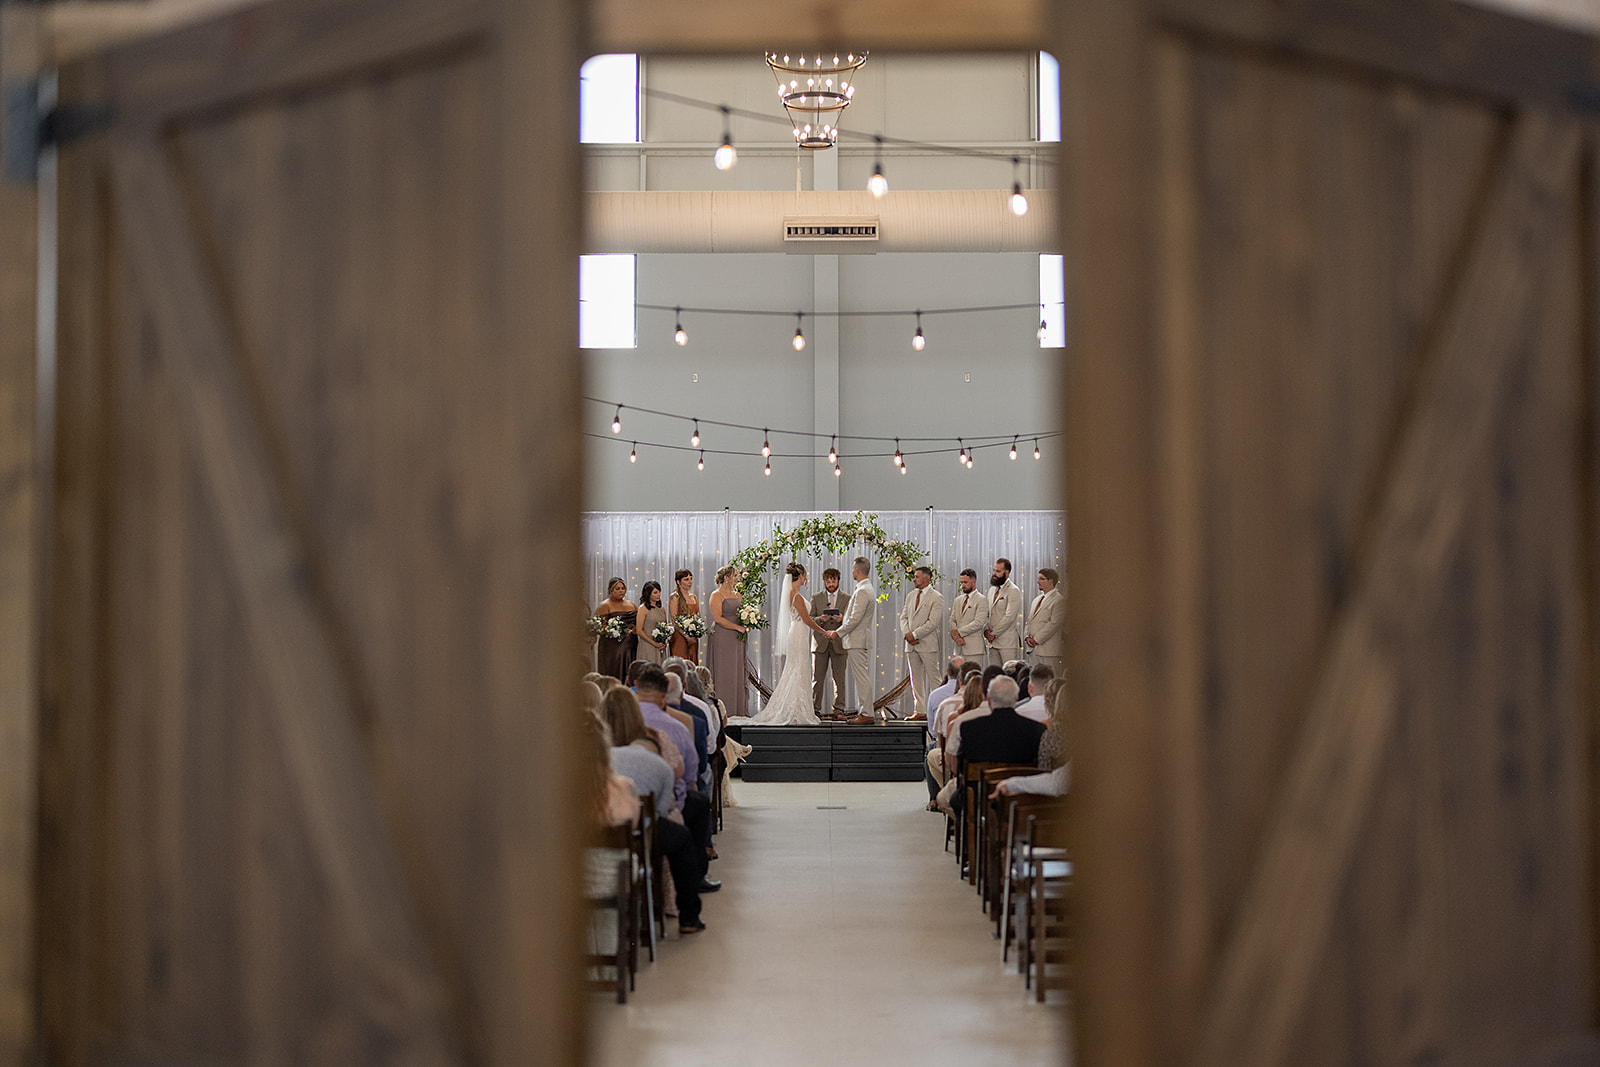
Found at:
(650, 546)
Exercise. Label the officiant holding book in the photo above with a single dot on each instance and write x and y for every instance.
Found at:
(828, 653)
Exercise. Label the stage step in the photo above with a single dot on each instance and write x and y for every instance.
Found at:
(837, 752)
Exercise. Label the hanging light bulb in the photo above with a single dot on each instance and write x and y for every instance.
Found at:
(1035, 448)
(1013, 448)
(962, 459)
(768, 471)
(836, 471)
(833, 449)
(969, 461)
(799, 335)
(725, 157)
(899, 460)
(616, 421)
(902, 466)
(1019, 203)
(678, 333)
(766, 449)
(877, 185)
(702, 464)
(918, 341)
(633, 457)
(694, 438)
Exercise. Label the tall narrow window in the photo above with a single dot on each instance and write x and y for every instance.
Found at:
(1049, 98)
(605, 302)
(608, 99)
(1052, 298)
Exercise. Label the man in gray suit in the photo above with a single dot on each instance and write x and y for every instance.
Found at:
(828, 653)
(855, 630)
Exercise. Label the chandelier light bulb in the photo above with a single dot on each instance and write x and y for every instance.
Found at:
(833, 450)
(616, 421)
(633, 457)
(766, 449)
(918, 341)
(1019, 203)
(1035, 448)
(694, 438)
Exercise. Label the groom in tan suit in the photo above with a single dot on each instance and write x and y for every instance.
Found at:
(921, 620)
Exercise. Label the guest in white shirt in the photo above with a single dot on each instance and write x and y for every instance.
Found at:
(952, 672)
(1037, 707)
(970, 697)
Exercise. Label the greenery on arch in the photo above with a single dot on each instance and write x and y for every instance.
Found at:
(895, 558)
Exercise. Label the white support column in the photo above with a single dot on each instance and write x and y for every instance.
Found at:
(824, 347)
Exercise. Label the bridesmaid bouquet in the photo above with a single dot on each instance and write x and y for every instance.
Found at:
(615, 626)
(750, 617)
(594, 626)
(660, 632)
(692, 626)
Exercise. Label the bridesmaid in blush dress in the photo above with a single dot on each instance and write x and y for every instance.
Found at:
(727, 652)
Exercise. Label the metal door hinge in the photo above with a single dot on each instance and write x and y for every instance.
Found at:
(29, 128)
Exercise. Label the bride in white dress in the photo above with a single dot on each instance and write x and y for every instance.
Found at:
(790, 704)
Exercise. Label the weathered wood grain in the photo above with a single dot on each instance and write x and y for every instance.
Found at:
(1286, 913)
(20, 567)
(287, 626)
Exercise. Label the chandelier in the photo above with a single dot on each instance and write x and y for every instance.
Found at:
(814, 91)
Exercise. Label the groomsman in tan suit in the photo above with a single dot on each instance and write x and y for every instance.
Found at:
(921, 620)
(969, 617)
(1046, 619)
(1003, 635)
(827, 608)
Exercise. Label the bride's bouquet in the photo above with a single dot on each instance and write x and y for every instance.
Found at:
(751, 618)
(692, 626)
(660, 632)
(614, 626)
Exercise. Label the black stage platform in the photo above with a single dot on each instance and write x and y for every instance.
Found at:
(833, 752)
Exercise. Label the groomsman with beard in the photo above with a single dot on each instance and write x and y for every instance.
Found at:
(920, 622)
(1046, 619)
(855, 631)
(1002, 633)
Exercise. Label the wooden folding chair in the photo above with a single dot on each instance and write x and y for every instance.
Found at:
(988, 812)
(1012, 875)
(620, 898)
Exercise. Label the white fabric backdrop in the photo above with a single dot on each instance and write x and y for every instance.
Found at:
(643, 546)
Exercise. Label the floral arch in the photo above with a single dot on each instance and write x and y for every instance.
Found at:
(895, 558)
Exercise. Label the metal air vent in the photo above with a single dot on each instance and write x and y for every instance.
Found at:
(847, 228)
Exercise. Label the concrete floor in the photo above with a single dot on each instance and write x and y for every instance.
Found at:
(841, 936)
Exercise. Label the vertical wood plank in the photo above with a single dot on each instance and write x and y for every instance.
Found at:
(20, 566)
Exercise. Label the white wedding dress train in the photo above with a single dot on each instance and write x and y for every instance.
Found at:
(790, 704)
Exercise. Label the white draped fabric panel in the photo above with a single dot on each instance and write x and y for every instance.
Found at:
(639, 547)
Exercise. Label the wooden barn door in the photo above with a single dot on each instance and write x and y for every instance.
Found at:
(313, 544)
(1333, 396)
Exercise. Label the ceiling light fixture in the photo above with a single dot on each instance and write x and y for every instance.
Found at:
(814, 94)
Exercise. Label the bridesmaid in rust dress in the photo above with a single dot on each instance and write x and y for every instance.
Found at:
(683, 602)
(727, 652)
(613, 656)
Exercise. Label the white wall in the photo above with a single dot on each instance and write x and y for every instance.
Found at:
(857, 375)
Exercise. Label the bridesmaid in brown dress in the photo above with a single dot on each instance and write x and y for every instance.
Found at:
(727, 652)
(613, 657)
(683, 602)
(650, 614)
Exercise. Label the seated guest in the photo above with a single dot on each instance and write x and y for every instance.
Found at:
(589, 696)
(1037, 707)
(652, 694)
(697, 723)
(633, 672)
(952, 741)
(1002, 736)
(604, 681)
(952, 672)
(949, 710)
(615, 803)
(1049, 784)
(1024, 673)
(633, 756)
(1053, 745)
(695, 805)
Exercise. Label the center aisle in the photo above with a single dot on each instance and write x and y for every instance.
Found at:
(841, 935)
